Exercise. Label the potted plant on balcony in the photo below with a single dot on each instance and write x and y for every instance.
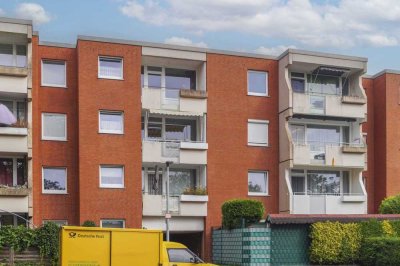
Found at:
(19, 190)
(197, 194)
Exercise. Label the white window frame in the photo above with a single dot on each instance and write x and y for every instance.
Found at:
(54, 138)
(110, 77)
(258, 121)
(44, 191)
(54, 85)
(112, 220)
(266, 83)
(117, 132)
(112, 166)
(266, 175)
(15, 169)
(14, 55)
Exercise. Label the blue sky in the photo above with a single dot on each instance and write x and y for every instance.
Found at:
(367, 28)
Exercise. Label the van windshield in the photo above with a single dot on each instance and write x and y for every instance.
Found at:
(182, 255)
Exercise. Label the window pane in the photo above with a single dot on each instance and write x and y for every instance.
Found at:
(112, 223)
(6, 172)
(298, 85)
(298, 184)
(257, 133)
(257, 82)
(53, 73)
(110, 67)
(180, 255)
(154, 80)
(6, 55)
(7, 220)
(54, 126)
(179, 180)
(21, 55)
(180, 79)
(112, 176)
(21, 172)
(8, 104)
(21, 111)
(346, 182)
(180, 129)
(54, 179)
(298, 134)
(257, 182)
(154, 130)
(322, 182)
(142, 76)
(154, 182)
(111, 122)
(323, 84)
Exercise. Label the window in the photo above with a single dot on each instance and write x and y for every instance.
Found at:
(54, 180)
(54, 126)
(323, 182)
(321, 84)
(110, 67)
(111, 122)
(112, 223)
(182, 255)
(13, 55)
(298, 82)
(13, 172)
(13, 220)
(18, 108)
(257, 132)
(258, 183)
(170, 129)
(54, 73)
(181, 179)
(57, 222)
(111, 176)
(257, 83)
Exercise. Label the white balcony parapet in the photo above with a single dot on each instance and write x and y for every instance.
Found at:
(13, 140)
(329, 203)
(194, 205)
(184, 101)
(177, 152)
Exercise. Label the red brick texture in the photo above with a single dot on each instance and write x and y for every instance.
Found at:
(95, 149)
(229, 156)
(55, 153)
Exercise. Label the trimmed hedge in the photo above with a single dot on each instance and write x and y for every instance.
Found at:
(335, 243)
(233, 211)
(380, 251)
(89, 223)
(390, 205)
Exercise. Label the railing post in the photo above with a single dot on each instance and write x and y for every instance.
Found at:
(11, 256)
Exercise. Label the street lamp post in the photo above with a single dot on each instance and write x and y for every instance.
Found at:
(167, 214)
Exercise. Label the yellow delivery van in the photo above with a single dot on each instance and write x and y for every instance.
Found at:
(93, 246)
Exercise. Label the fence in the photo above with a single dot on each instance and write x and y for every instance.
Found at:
(28, 257)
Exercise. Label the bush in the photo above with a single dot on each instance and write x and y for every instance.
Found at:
(19, 238)
(371, 228)
(396, 227)
(335, 243)
(233, 211)
(390, 205)
(47, 240)
(380, 251)
(89, 223)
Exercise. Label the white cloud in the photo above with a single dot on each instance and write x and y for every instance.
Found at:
(339, 23)
(185, 42)
(276, 50)
(32, 11)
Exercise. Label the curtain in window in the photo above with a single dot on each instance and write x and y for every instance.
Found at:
(110, 67)
(298, 184)
(53, 73)
(6, 172)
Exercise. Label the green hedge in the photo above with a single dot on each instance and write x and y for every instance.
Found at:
(45, 238)
(335, 243)
(380, 251)
(390, 205)
(234, 211)
(89, 223)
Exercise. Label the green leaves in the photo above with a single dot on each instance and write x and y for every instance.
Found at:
(380, 251)
(19, 238)
(390, 205)
(233, 211)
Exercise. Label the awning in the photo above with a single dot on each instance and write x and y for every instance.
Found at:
(174, 113)
(330, 71)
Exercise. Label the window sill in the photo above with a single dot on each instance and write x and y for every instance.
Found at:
(54, 193)
(259, 95)
(60, 140)
(258, 195)
(110, 133)
(112, 78)
(54, 86)
(112, 187)
(258, 145)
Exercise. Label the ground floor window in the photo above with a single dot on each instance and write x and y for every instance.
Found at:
(57, 222)
(112, 223)
(13, 220)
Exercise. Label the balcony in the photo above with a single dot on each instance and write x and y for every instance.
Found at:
(329, 105)
(178, 152)
(13, 140)
(183, 205)
(329, 203)
(185, 101)
(332, 155)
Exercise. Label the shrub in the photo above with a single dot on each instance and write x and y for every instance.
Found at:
(387, 229)
(233, 211)
(371, 228)
(195, 191)
(390, 205)
(380, 251)
(47, 240)
(19, 238)
(335, 243)
(89, 223)
(396, 227)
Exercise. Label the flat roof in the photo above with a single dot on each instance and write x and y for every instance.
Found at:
(57, 44)
(16, 21)
(321, 54)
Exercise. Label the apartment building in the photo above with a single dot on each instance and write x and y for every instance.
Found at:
(114, 124)
(15, 121)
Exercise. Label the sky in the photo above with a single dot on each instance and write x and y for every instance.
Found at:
(366, 28)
